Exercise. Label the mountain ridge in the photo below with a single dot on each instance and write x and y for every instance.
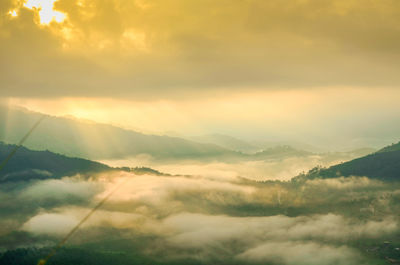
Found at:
(28, 164)
(97, 141)
(382, 165)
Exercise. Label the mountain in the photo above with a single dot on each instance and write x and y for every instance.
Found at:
(359, 152)
(282, 151)
(27, 164)
(96, 141)
(390, 148)
(227, 142)
(383, 165)
(295, 144)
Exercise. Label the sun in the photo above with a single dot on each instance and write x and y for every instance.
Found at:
(45, 9)
(13, 13)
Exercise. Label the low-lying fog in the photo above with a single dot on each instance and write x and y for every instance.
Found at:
(211, 217)
(280, 168)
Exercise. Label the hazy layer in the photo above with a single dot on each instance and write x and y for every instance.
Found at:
(221, 219)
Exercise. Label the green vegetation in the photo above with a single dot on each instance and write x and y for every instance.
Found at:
(27, 164)
(383, 165)
(317, 218)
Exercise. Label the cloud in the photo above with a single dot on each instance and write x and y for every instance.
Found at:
(50, 223)
(198, 230)
(61, 220)
(319, 239)
(279, 168)
(302, 253)
(221, 219)
(169, 48)
(156, 189)
(351, 182)
(26, 173)
(61, 189)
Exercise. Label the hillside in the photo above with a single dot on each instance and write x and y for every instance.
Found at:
(98, 141)
(390, 148)
(27, 164)
(282, 151)
(94, 141)
(383, 164)
(227, 142)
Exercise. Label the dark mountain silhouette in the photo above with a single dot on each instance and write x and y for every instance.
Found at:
(383, 165)
(27, 164)
(390, 148)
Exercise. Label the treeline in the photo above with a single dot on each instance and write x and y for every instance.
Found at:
(80, 256)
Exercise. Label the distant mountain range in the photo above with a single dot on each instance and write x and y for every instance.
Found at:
(383, 165)
(227, 142)
(98, 141)
(283, 151)
(94, 141)
(28, 164)
(250, 147)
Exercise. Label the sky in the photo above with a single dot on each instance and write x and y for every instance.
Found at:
(307, 70)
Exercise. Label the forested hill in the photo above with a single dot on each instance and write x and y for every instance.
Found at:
(383, 165)
(27, 164)
(390, 148)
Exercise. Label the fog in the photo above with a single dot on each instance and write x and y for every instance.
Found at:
(275, 168)
(221, 219)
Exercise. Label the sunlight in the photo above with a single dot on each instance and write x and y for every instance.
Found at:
(300, 109)
(13, 13)
(199, 132)
(46, 11)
